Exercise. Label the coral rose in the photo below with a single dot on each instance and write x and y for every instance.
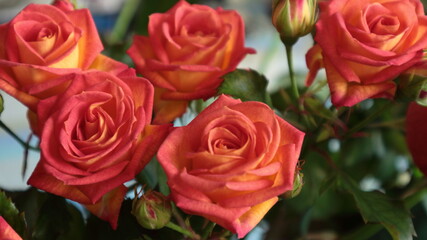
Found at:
(416, 130)
(231, 162)
(189, 49)
(45, 41)
(365, 44)
(96, 135)
(7, 232)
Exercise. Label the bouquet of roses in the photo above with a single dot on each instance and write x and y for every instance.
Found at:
(177, 143)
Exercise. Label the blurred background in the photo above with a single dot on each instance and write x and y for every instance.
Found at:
(378, 162)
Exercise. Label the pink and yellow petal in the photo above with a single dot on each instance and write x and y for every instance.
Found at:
(108, 208)
(251, 218)
(7, 232)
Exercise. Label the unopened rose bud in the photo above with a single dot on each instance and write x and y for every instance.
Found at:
(298, 183)
(294, 18)
(152, 210)
(412, 88)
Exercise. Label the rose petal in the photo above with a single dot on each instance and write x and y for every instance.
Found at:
(252, 217)
(108, 208)
(7, 232)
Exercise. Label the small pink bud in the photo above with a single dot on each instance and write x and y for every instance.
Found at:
(152, 210)
(294, 18)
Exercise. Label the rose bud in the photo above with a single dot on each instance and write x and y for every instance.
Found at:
(152, 210)
(410, 87)
(298, 183)
(293, 18)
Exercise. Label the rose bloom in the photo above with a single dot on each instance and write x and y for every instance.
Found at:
(231, 162)
(189, 49)
(46, 41)
(96, 135)
(416, 130)
(7, 232)
(363, 45)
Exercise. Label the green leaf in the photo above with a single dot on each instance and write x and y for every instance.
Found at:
(148, 174)
(328, 183)
(59, 220)
(248, 85)
(1, 104)
(11, 214)
(376, 207)
(410, 87)
(163, 186)
(318, 108)
(123, 21)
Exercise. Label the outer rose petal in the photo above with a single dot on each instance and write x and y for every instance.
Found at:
(314, 63)
(90, 44)
(108, 208)
(64, 5)
(7, 232)
(344, 93)
(416, 130)
(167, 111)
(231, 162)
(106, 64)
(252, 217)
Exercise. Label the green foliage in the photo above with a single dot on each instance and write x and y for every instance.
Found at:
(1, 104)
(148, 175)
(248, 85)
(376, 207)
(154, 177)
(58, 219)
(410, 88)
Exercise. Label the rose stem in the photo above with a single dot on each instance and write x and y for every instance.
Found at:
(16, 137)
(368, 119)
(294, 84)
(208, 230)
(25, 161)
(291, 71)
(181, 221)
(179, 229)
(123, 21)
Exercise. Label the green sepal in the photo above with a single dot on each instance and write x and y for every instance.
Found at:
(247, 85)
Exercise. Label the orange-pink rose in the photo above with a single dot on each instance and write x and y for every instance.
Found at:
(231, 162)
(416, 131)
(46, 41)
(7, 232)
(363, 45)
(96, 135)
(189, 49)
